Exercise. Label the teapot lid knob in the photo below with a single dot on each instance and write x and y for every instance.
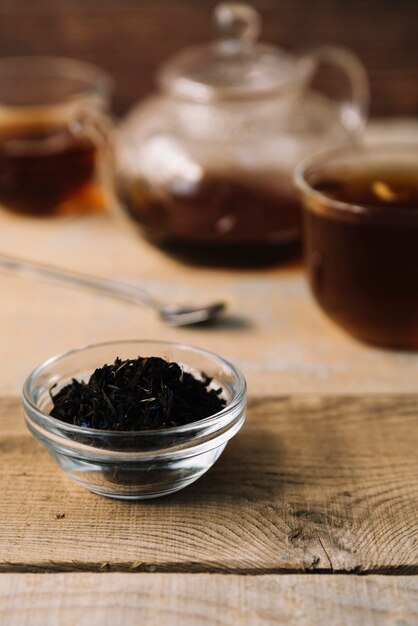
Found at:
(238, 23)
(235, 67)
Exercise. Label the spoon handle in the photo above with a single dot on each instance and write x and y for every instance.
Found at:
(105, 286)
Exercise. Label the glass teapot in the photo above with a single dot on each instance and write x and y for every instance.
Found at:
(205, 166)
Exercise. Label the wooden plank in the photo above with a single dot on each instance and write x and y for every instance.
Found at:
(130, 38)
(202, 599)
(309, 484)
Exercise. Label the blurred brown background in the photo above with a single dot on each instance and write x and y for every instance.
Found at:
(130, 37)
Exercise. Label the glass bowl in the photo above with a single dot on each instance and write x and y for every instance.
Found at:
(140, 464)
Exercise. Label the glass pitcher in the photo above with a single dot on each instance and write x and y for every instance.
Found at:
(205, 165)
(55, 154)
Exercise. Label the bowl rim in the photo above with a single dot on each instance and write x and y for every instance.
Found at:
(53, 422)
(318, 159)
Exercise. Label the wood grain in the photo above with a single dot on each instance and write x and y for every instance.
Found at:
(204, 599)
(309, 484)
(129, 38)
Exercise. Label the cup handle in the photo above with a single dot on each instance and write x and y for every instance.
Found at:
(355, 107)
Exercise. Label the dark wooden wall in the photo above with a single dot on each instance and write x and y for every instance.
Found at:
(130, 37)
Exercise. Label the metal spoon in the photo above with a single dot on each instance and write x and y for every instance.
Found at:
(173, 314)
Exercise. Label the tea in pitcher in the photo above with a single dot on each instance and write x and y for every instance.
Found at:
(43, 168)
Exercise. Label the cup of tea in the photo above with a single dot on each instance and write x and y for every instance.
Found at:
(54, 129)
(361, 239)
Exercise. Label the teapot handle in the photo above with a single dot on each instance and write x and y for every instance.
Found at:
(353, 109)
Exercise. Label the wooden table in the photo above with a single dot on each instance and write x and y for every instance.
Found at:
(322, 480)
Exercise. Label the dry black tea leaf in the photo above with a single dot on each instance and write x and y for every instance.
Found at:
(137, 394)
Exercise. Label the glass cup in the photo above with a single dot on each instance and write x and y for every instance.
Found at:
(361, 239)
(54, 136)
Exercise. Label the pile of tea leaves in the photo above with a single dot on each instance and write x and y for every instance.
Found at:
(137, 394)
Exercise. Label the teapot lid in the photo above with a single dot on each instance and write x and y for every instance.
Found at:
(234, 67)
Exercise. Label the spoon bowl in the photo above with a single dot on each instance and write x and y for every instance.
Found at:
(184, 315)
